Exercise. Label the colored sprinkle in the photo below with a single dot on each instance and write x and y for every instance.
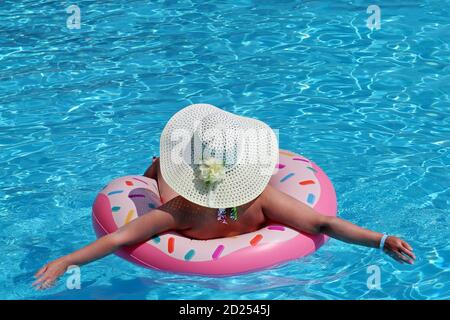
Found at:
(171, 245)
(286, 177)
(140, 180)
(189, 255)
(128, 183)
(151, 206)
(285, 153)
(256, 239)
(312, 169)
(115, 192)
(218, 252)
(311, 198)
(136, 196)
(115, 209)
(306, 182)
(277, 228)
(129, 216)
(156, 239)
(280, 166)
(300, 159)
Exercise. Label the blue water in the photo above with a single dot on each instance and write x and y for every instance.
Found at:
(81, 107)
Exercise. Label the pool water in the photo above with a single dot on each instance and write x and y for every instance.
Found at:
(79, 107)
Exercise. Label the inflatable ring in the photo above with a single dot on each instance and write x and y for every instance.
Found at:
(128, 197)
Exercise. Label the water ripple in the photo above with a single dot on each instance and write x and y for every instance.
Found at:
(80, 107)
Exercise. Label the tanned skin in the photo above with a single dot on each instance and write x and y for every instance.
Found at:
(197, 222)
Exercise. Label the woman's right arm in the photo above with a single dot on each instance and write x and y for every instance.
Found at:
(138, 230)
(152, 171)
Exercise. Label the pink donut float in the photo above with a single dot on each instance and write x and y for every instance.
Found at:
(126, 198)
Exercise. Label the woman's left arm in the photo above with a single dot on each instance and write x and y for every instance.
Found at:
(283, 208)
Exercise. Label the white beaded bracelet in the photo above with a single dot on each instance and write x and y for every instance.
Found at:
(383, 240)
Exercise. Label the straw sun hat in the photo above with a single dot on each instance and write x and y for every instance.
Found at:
(215, 158)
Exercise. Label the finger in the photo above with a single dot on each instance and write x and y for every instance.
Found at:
(408, 259)
(407, 246)
(394, 255)
(398, 259)
(403, 258)
(40, 280)
(408, 253)
(45, 284)
(41, 271)
(51, 283)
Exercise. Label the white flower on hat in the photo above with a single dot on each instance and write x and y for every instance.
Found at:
(211, 170)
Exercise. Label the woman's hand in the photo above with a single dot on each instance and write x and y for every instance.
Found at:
(48, 274)
(399, 250)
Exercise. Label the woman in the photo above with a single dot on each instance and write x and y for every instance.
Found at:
(213, 179)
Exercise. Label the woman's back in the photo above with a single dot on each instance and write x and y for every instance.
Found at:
(201, 222)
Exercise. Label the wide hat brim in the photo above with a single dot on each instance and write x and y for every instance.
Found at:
(241, 184)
